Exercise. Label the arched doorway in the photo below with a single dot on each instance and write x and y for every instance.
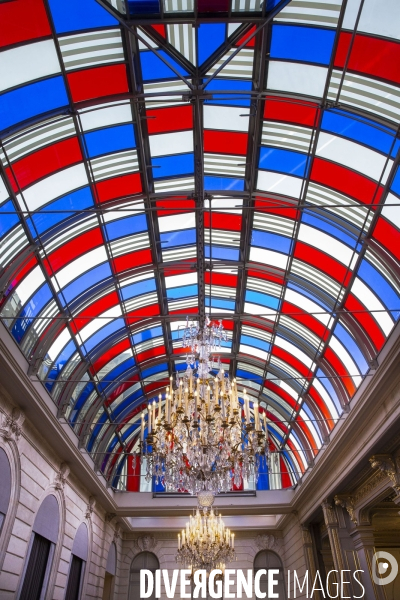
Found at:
(144, 560)
(266, 559)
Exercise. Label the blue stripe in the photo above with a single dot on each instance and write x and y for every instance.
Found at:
(137, 289)
(147, 334)
(171, 166)
(7, 222)
(263, 299)
(111, 139)
(184, 291)
(30, 100)
(127, 226)
(272, 241)
(306, 44)
(75, 15)
(283, 161)
(210, 37)
(223, 183)
(222, 253)
(257, 343)
(360, 130)
(154, 69)
(75, 201)
(85, 282)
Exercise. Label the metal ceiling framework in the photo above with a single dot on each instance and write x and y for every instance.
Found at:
(287, 222)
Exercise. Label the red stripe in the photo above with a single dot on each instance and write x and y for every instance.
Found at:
(31, 264)
(323, 262)
(252, 42)
(118, 187)
(271, 206)
(133, 259)
(22, 21)
(291, 360)
(370, 55)
(160, 30)
(305, 429)
(98, 82)
(340, 370)
(175, 206)
(305, 319)
(296, 453)
(151, 353)
(110, 354)
(387, 235)
(93, 310)
(344, 180)
(270, 385)
(321, 406)
(121, 388)
(140, 313)
(222, 279)
(72, 249)
(366, 320)
(301, 113)
(44, 162)
(267, 276)
(162, 120)
(286, 481)
(213, 5)
(224, 221)
(225, 142)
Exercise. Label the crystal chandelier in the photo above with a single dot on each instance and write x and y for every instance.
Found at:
(200, 437)
(205, 543)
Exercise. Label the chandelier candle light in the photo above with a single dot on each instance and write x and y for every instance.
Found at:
(205, 543)
(200, 436)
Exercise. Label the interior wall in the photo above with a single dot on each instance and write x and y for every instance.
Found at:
(164, 546)
(36, 473)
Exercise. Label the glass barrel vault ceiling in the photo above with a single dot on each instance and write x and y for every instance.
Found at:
(163, 160)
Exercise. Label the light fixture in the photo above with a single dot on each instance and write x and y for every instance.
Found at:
(201, 436)
(205, 543)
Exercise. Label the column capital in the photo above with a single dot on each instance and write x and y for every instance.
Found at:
(389, 465)
(346, 502)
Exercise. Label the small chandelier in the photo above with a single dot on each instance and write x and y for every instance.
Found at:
(201, 441)
(205, 543)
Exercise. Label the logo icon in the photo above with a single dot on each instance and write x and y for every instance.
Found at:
(384, 568)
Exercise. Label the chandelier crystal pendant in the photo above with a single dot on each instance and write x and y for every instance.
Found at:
(205, 543)
(200, 437)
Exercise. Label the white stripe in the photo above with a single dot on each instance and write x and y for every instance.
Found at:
(79, 266)
(327, 244)
(298, 78)
(372, 303)
(353, 155)
(27, 63)
(54, 186)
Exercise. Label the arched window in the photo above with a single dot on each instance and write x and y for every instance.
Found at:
(5, 487)
(111, 568)
(78, 563)
(144, 560)
(269, 560)
(41, 550)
